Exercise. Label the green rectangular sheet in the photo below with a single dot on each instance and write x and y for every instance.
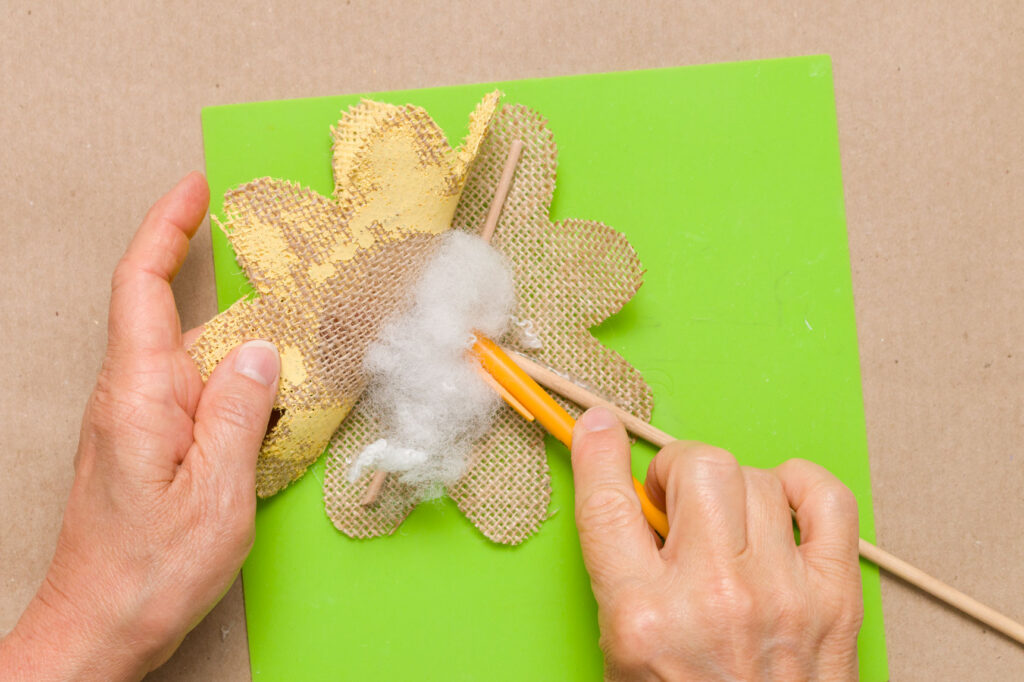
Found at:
(726, 179)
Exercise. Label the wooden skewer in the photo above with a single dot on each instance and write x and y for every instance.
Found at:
(515, 151)
(581, 396)
(373, 489)
(884, 560)
(940, 590)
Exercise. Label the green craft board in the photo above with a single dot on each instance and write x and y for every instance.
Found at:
(726, 179)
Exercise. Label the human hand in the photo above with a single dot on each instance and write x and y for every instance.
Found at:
(161, 511)
(730, 595)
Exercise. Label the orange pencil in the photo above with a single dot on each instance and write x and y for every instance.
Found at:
(550, 414)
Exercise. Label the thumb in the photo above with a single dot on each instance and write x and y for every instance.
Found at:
(233, 411)
(614, 537)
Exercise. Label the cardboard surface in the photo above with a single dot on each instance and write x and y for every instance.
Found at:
(105, 117)
(726, 180)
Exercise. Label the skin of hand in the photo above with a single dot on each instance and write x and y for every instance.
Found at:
(161, 511)
(730, 595)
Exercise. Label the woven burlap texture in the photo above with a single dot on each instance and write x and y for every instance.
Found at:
(327, 271)
(570, 275)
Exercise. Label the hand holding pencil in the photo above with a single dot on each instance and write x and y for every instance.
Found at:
(730, 595)
(651, 497)
(732, 528)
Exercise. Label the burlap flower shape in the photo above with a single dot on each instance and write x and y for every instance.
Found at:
(328, 271)
(570, 276)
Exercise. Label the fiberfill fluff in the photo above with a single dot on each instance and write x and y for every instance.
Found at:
(423, 381)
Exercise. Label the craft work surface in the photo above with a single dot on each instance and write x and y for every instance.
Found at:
(726, 180)
(102, 105)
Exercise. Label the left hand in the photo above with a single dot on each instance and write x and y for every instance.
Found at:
(161, 511)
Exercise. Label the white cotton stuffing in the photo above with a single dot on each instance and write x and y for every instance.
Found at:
(526, 335)
(422, 381)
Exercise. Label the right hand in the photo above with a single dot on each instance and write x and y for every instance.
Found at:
(730, 595)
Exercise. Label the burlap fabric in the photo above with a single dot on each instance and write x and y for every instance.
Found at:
(570, 276)
(328, 271)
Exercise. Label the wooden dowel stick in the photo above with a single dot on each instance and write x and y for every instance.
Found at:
(373, 490)
(884, 560)
(581, 396)
(940, 590)
(515, 151)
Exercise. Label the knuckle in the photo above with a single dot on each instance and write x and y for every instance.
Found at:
(687, 459)
(839, 569)
(676, 448)
(798, 463)
(729, 599)
(708, 464)
(709, 457)
(764, 484)
(798, 468)
(111, 410)
(789, 610)
(849, 617)
(634, 627)
(839, 618)
(699, 451)
(843, 602)
(838, 500)
(607, 507)
(762, 478)
(124, 273)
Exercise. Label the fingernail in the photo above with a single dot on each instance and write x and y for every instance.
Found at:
(597, 419)
(259, 361)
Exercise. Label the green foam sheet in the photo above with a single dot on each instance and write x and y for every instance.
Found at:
(726, 179)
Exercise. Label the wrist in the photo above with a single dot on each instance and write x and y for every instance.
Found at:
(54, 639)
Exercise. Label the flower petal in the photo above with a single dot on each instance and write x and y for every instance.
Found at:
(570, 276)
(534, 182)
(506, 491)
(342, 499)
(280, 230)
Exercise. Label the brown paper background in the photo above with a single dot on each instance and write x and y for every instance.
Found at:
(100, 110)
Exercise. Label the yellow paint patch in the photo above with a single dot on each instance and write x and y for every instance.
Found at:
(395, 176)
(275, 258)
(316, 426)
(322, 272)
(293, 368)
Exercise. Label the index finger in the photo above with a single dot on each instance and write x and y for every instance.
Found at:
(142, 311)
